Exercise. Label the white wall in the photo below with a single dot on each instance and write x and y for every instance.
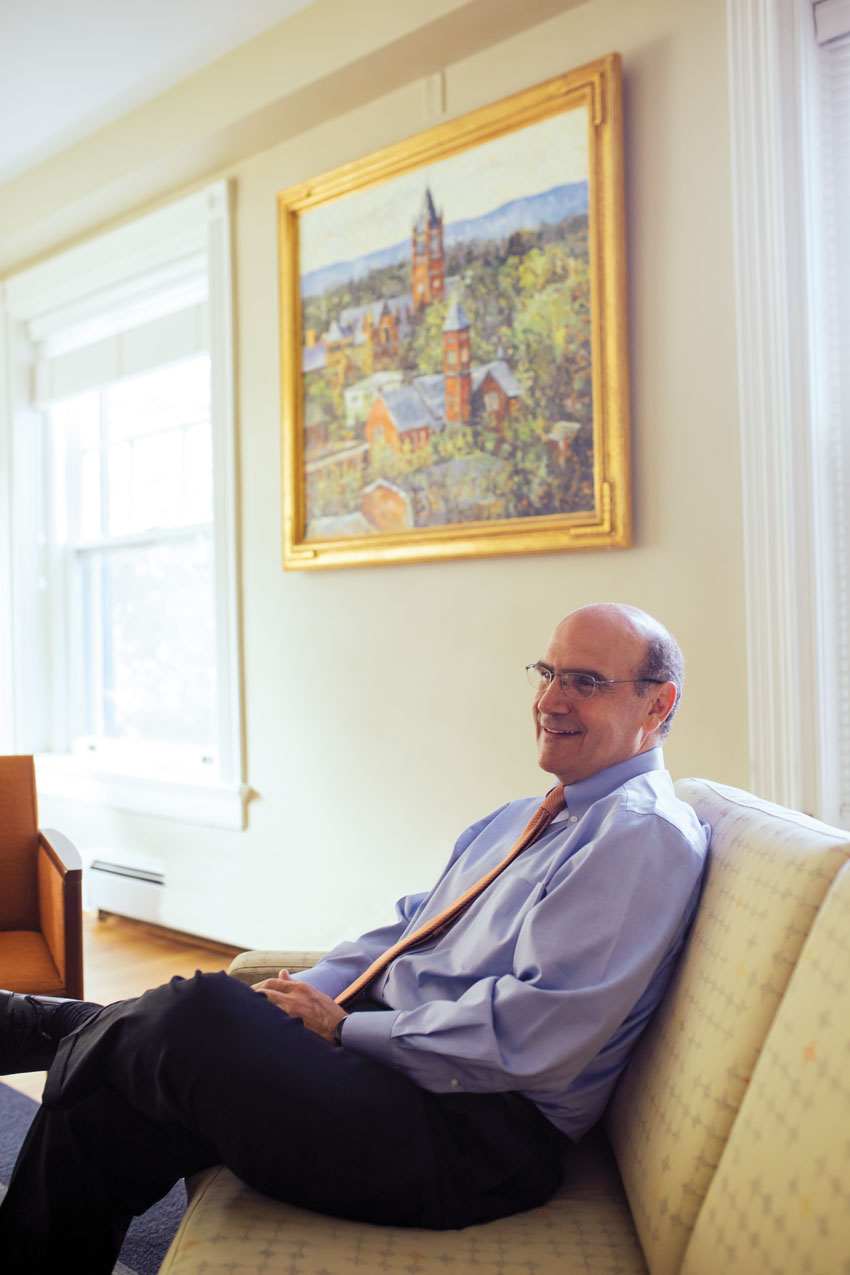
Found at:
(386, 707)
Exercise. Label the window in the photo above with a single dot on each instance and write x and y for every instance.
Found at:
(133, 468)
(123, 647)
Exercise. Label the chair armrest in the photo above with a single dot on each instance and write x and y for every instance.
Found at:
(63, 852)
(60, 906)
(253, 967)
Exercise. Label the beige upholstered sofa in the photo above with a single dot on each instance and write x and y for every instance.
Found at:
(726, 1149)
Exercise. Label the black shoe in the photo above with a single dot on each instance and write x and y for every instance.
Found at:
(31, 1028)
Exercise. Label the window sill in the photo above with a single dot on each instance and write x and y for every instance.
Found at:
(211, 802)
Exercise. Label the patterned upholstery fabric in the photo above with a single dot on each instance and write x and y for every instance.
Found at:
(253, 967)
(671, 1115)
(781, 1202)
(585, 1230)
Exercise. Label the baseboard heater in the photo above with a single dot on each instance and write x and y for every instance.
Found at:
(126, 888)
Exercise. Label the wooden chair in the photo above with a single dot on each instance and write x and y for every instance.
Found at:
(41, 920)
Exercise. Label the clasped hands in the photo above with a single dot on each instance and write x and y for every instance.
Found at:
(317, 1011)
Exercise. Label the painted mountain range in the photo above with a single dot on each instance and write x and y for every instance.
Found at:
(547, 208)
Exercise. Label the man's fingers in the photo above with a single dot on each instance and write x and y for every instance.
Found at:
(276, 984)
(277, 998)
(316, 1011)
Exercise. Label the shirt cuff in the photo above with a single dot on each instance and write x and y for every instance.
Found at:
(369, 1033)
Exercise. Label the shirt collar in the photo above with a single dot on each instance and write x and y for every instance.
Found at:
(581, 795)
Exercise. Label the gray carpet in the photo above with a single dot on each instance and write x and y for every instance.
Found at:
(149, 1235)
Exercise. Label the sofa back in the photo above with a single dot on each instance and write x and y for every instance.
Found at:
(780, 1199)
(769, 870)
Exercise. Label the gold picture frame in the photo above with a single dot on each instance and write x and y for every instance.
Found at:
(453, 338)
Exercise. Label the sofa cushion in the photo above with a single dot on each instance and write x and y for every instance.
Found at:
(584, 1230)
(780, 1199)
(769, 870)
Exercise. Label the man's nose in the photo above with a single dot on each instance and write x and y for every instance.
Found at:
(553, 699)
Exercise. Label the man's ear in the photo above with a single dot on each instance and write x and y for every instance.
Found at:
(660, 705)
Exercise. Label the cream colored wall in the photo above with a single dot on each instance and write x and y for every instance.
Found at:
(386, 708)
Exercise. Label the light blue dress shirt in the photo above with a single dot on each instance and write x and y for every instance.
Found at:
(544, 984)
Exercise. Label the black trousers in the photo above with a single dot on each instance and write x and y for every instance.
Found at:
(205, 1071)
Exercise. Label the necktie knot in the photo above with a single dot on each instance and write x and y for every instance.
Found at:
(554, 801)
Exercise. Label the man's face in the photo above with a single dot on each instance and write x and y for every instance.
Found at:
(577, 738)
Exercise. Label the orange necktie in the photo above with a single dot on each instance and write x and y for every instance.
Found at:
(552, 805)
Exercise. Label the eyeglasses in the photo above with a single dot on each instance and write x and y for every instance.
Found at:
(578, 685)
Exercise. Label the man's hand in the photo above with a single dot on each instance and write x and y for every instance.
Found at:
(316, 1010)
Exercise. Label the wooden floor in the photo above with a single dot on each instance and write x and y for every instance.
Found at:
(124, 958)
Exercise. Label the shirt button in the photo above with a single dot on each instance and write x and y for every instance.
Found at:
(573, 818)
(454, 1083)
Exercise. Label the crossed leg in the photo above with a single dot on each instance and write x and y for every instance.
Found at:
(205, 1071)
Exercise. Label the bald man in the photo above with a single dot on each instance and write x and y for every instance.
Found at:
(444, 1091)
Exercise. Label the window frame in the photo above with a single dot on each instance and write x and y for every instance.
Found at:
(121, 266)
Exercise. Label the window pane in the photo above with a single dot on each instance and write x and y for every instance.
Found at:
(81, 415)
(158, 482)
(152, 623)
(76, 434)
(159, 448)
(89, 526)
(160, 400)
(118, 462)
(197, 460)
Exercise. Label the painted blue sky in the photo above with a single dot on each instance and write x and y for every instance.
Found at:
(474, 182)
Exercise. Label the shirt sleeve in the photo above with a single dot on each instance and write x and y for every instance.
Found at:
(587, 952)
(348, 960)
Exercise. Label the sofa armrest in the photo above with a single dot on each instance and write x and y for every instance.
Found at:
(253, 967)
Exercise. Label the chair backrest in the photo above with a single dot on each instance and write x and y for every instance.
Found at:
(769, 870)
(18, 845)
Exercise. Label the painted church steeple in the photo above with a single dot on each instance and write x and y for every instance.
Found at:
(427, 252)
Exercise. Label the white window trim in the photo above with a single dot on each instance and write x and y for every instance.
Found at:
(47, 297)
(216, 805)
(790, 625)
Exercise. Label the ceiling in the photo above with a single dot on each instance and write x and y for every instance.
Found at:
(70, 67)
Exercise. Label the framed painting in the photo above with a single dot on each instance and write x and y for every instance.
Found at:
(453, 320)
